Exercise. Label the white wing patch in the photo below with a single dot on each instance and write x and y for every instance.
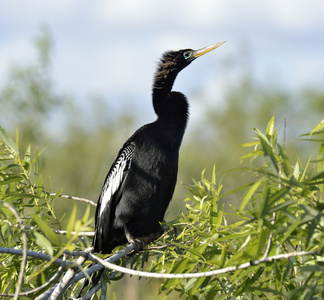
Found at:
(115, 176)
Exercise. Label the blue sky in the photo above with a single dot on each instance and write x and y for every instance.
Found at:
(110, 48)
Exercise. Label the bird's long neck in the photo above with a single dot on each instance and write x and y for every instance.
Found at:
(163, 82)
(171, 107)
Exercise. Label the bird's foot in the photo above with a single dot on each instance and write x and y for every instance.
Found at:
(140, 242)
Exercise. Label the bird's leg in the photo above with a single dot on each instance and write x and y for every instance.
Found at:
(140, 242)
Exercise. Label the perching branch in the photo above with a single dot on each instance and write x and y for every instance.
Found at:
(114, 267)
(70, 278)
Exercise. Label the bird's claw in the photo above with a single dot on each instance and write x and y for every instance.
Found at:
(140, 242)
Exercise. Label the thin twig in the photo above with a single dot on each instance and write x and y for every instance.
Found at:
(63, 232)
(170, 245)
(57, 231)
(74, 198)
(24, 252)
(69, 197)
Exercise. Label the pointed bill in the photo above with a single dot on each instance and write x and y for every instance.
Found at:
(205, 50)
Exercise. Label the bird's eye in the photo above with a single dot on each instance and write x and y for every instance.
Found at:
(187, 54)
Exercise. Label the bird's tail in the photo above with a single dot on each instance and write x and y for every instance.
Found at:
(95, 277)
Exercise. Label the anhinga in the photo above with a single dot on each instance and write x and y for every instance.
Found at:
(141, 181)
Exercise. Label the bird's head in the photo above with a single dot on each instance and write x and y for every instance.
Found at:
(178, 60)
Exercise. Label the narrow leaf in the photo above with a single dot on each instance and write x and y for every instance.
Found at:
(270, 127)
(71, 222)
(51, 235)
(249, 194)
(284, 161)
(8, 141)
(43, 242)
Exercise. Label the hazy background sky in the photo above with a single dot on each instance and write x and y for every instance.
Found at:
(110, 48)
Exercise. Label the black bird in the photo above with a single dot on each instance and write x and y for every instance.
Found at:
(141, 181)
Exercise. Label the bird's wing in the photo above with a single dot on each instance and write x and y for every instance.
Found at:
(116, 176)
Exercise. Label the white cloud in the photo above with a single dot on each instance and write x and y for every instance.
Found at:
(298, 15)
(103, 44)
(36, 9)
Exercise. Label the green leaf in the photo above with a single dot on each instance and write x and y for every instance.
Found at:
(274, 139)
(198, 284)
(214, 175)
(249, 194)
(198, 251)
(39, 188)
(252, 154)
(43, 242)
(36, 166)
(214, 211)
(251, 144)
(267, 149)
(281, 206)
(11, 179)
(319, 127)
(270, 128)
(264, 204)
(290, 230)
(223, 256)
(27, 155)
(319, 176)
(262, 241)
(71, 222)
(86, 215)
(236, 236)
(284, 161)
(296, 171)
(8, 141)
(264, 142)
(48, 232)
(220, 214)
(310, 233)
(278, 195)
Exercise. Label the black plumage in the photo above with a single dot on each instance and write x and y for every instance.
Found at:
(141, 181)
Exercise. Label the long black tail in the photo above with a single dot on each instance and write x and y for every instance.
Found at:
(95, 277)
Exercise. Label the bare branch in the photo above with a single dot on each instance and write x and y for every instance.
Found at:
(74, 198)
(63, 232)
(112, 266)
(57, 231)
(70, 277)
